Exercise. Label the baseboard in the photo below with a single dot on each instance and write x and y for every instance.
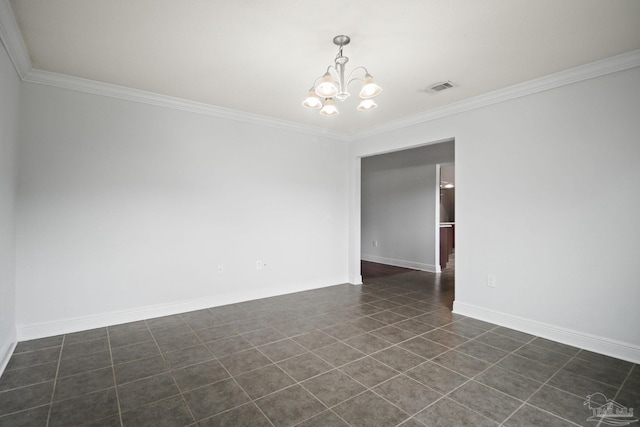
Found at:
(5, 354)
(71, 325)
(402, 263)
(598, 344)
(355, 279)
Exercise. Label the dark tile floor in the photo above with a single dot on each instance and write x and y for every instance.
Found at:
(387, 353)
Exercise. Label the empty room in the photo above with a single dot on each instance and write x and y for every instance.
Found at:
(408, 213)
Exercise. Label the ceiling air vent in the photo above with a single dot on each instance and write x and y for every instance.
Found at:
(439, 87)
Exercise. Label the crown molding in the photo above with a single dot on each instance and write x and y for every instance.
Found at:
(12, 40)
(115, 91)
(573, 75)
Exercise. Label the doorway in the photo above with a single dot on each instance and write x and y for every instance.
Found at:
(400, 209)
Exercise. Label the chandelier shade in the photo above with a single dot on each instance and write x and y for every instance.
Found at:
(369, 88)
(329, 108)
(367, 104)
(327, 88)
(312, 101)
(333, 85)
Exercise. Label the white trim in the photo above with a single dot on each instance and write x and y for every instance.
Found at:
(573, 75)
(11, 37)
(12, 40)
(5, 355)
(356, 280)
(14, 43)
(106, 89)
(354, 221)
(402, 263)
(598, 344)
(70, 325)
(562, 78)
(7, 349)
(436, 217)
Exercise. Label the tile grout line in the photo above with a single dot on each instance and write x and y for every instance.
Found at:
(470, 379)
(328, 408)
(626, 378)
(113, 372)
(495, 364)
(296, 382)
(526, 402)
(399, 373)
(55, 380)
(252, 401)
(633, 366)
(299, 383)
(545, 383)
(169, 371)
(368, 388)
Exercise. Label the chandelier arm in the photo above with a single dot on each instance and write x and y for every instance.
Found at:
(355, 78)
(315, 82)
(359, 68)
(313, 86)
(356, 69)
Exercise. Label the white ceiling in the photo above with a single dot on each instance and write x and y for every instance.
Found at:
(262, 56)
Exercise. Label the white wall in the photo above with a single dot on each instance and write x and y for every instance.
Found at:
(400, 206)
(125, 210)
(536, 179)
(9, 99)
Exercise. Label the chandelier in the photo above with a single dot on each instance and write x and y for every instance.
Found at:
(334, 85)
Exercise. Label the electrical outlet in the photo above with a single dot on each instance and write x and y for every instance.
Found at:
(491, 280)
(375, 243)
(259, 265)
(220, 268)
